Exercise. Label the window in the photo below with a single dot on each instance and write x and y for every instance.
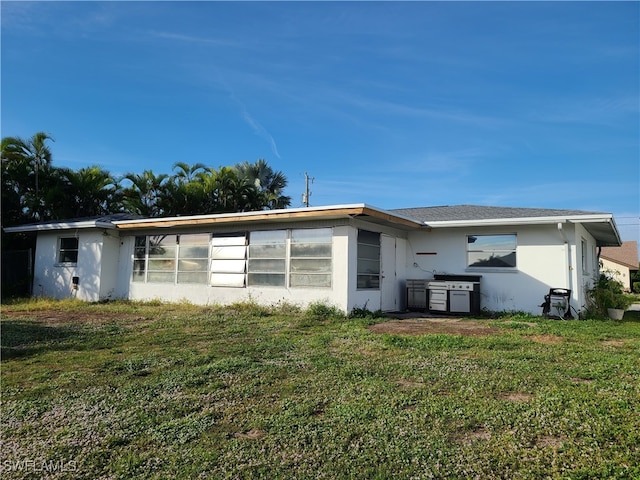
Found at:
(193, 258)
(368, 260)
(68, 250)
(310, 262)
(139, 259)
(161, 266)
(583, 253)
(267, 258)
(493, 251)
(228, 261)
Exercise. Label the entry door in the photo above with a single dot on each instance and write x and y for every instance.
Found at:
(388, 297)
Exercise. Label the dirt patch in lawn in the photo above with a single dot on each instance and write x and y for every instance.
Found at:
(546, 339)
(434, 325)
(62, 317)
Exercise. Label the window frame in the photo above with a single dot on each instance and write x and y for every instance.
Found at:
(487, 250)
(361, 275)
(296, 258)
(241, 264)
(227, 242)
(584, 256)
(63, 249)
(182, 260)
(278, 246)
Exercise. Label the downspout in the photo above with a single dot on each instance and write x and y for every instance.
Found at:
(567, 249)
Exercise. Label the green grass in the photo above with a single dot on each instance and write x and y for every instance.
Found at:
(134, 390)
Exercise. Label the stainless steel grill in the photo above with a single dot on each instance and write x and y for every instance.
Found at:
(454, 294)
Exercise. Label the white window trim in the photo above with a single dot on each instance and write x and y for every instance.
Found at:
(59, 250)
(470, 268)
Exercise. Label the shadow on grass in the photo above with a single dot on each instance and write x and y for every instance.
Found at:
(20, 338)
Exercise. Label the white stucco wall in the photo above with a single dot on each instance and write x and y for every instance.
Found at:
(546, 258)
(343, 292)
(542, 263)
(336, 295)
(53, 279)
(621, 273)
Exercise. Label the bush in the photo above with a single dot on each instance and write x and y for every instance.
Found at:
(606, 293)
(323, 311)
(364, 312)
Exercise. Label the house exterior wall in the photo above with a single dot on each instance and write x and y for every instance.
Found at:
(619, 272)
(54, 279)
(547, 257)
(109, 266)
(342, 294)
(336, 295)
(544, 261)
(586, 269)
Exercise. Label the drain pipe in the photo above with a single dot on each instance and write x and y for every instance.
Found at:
(567, 249)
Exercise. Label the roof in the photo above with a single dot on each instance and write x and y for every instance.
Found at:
(103, 221)
(626, 254)
(128, 222)
(598, 224)
(478, 212)
(361, 210)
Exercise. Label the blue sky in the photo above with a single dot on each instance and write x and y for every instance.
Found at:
(403, 104)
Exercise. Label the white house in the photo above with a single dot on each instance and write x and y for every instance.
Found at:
(346, 255)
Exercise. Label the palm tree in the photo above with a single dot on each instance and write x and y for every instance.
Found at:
(91, 192)
(270, 183)
(32, 154)
(143, 196)
(187, 173)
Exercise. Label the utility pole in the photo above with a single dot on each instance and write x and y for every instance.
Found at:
(307, 193)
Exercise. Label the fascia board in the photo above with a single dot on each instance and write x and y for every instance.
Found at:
(332, 211)
(59, 226)
(496, 222)
(233, 215)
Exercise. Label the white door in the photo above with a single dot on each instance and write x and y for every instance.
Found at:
(388, 297)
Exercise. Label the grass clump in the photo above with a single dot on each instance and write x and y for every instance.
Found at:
(323, 311)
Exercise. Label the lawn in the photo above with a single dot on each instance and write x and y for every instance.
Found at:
(153, 391)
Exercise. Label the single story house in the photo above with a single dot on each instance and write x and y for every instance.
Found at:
(350, 256)
(621, 262)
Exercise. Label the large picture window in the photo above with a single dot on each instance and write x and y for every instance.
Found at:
(368, 260)
(267, 258)
(171, 258)
(68, 250)
(492, 251)
(310, 258)
(276, 258)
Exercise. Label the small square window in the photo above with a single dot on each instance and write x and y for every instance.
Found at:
(68, 250)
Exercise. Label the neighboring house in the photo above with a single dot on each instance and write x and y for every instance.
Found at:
(621, 262)
(345, 255)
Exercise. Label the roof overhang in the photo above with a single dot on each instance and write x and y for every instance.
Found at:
(332, 212)
(62, 225)
(601, 226)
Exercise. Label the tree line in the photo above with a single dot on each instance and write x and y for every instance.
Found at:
(35, 190)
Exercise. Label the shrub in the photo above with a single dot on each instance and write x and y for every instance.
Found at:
(606, 293)
(364, 312)
(323, 311)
